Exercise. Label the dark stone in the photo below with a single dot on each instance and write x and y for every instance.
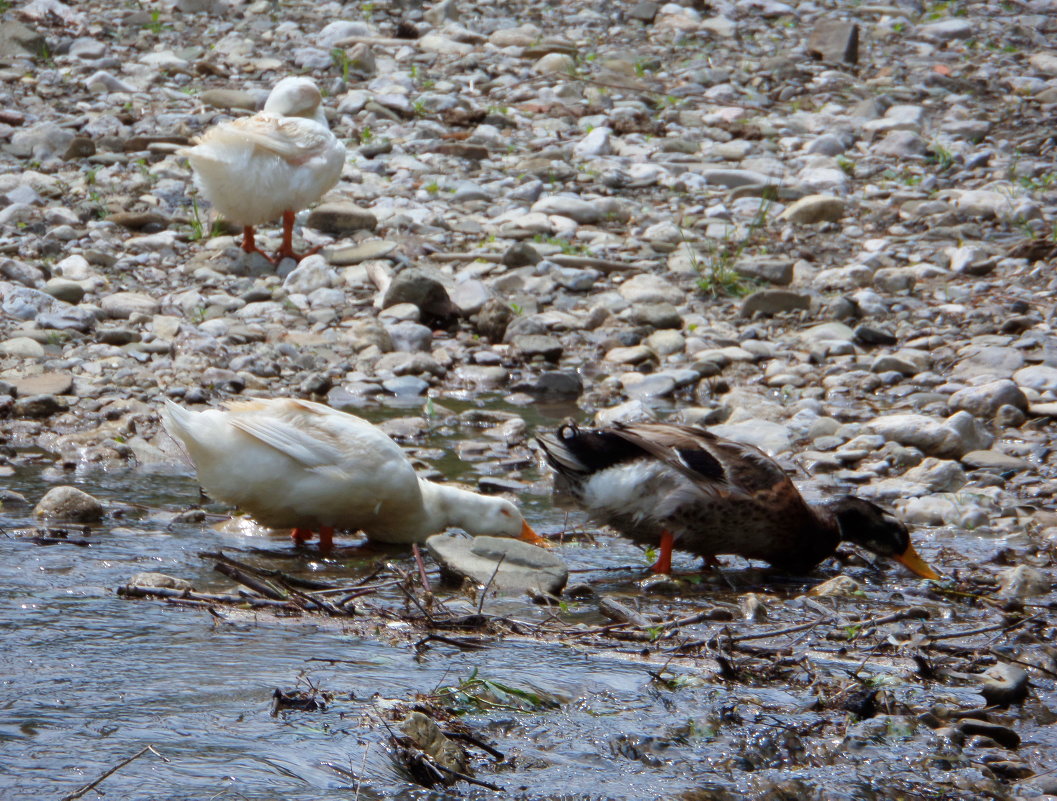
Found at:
(316, 384)
(558, 384)
(341, 219)
(1004, 685)
(835, 40)
(868, 335)
(1003, 735)
(521, 254)
(531, 345)
(418, 287)
(138, 220)
(80, 147)
(376, 149)
(644, 11)
(38, 406)
(657, 315)
(774, 301)
(773, 271)
(493, 319)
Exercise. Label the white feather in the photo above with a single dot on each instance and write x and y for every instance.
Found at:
(283, 159)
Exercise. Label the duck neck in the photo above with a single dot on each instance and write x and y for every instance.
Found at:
(445, 506)
(819, 539)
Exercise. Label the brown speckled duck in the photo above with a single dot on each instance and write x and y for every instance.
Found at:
(682, 486)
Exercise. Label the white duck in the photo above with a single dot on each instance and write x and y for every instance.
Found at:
(296, 464)
(254, 169)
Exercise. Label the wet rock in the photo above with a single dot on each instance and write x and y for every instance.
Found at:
(341, 219)
(902, 144)
(837, 586)
(228, 98)
(517, 566)
(311, 273)
(424, 291)
(427, 736)
(531, 345)
(632, 411)
(575, 208)
(159, 581)
(18, 39)
(815, 209)
(1039, 377)
(836, 41)
(945, 439)
(493, 319)
(659, 585)
(51, 383)
(937, 475)
(773, 271)
(985, 400)
(71, 504)
(752, 607)
(994, 461)
(122, 305)
(558, 384)
(36, 407)
(1023, 581)
(657, 315)
(774, 301)
(410, 337)
(769, 436)
(22, 347)
(521, 254)
(1003, 735)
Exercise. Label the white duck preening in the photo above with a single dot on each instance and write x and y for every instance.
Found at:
(296, 464)
(256, 169)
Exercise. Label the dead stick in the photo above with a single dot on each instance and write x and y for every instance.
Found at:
(257, 585)
(954, 635)
(81, 791)
(304, 584)
(1005, 658)
(189, 595)
(421, 567)
(484, 592)
(605, 265)
(435, 764)
(458, 735)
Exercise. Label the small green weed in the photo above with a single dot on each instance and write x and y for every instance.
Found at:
(155, 25)
(341, 61)
(475, 694)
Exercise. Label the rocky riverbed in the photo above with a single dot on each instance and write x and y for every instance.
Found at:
(827, 229)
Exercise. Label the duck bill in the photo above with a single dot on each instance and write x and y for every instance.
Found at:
(910, 560)
(528, 535)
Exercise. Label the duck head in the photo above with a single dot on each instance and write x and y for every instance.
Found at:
(501, 518)
(878, 531)
(296, 97)
(477, 515)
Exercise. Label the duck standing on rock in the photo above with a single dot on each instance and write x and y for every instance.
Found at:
(302, 465)
(275, 163)
(676, 485)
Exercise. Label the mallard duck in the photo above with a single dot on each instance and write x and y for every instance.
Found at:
(254, 169)
(681, 486)
(302, 465)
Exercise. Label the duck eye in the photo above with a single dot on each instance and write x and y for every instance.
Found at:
(504, 512)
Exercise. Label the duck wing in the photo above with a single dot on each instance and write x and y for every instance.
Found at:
(707, 458)
(319, 437)
(294, 139)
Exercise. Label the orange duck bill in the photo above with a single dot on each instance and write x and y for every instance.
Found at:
(530, 536)
(910, 559)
